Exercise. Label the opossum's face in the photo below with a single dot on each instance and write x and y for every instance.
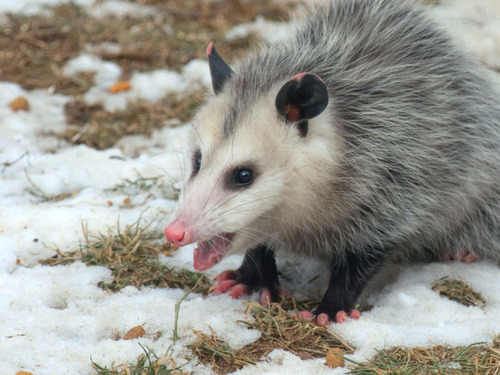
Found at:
(237, 178)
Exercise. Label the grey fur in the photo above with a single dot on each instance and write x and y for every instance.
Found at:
(419, 126)
(420, 122)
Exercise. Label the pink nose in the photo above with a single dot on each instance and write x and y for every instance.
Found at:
(177, 233)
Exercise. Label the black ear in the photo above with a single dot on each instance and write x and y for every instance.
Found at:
(219, 70)
(304, 97)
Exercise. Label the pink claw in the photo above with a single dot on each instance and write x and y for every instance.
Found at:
(322, 320)
(355, 314)
(223, 286)
(467, 256)
(305, 315)
(226, 283)
(238, 290)
(341, 317)
(265, 298)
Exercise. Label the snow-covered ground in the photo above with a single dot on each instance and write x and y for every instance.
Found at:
(55, 319)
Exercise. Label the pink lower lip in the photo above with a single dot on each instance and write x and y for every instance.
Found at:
(209, 252)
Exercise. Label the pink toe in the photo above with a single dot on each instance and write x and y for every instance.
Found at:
(355, 314)
(223, 286)
(305, 315)
(341, 317)
(468, 257)
(322, 320)
(265, 298)
(238, 290)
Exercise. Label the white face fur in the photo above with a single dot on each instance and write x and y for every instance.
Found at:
(286, 173)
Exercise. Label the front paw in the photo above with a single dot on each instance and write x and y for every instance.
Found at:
(229, 282)
(226, 283)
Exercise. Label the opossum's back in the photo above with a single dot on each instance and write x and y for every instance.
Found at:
(353, 41)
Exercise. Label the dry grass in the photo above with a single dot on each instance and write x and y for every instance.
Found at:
(42, 196)
(474, 359)
(154, 186)
(458, 291)
(132, 256)
(306, 340)
(280, 330)
(101, 129)
(34, 49)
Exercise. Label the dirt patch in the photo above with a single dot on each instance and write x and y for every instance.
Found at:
(35, 48)
(101, 129)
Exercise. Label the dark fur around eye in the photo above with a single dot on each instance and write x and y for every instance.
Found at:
(196, 162)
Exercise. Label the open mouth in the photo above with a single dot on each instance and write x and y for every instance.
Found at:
(209, 252)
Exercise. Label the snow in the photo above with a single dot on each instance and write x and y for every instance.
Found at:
(267, 30)
(409, 313)
(106, 73)
(55, 319)
(477, 25)
(151, 86)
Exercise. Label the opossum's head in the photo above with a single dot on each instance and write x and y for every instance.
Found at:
(244, 166)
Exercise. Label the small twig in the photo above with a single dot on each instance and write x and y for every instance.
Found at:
(35, 186)
(7, 164)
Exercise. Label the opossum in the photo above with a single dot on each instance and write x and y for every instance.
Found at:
(364, 135)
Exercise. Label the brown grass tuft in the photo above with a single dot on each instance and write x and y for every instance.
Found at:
(458, 291)
(473, 359)
(280, 330)
(100, 129)
(132, 256)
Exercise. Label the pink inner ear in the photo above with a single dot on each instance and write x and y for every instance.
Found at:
(299, 76)
(209, 48)
(292, 113)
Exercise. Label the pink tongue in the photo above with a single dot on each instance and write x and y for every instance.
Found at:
(210, 252)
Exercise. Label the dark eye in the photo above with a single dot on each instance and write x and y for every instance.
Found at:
(196, 162)
(242, 177)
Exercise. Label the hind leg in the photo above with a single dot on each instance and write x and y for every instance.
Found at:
(463, 255)
(258, 272)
